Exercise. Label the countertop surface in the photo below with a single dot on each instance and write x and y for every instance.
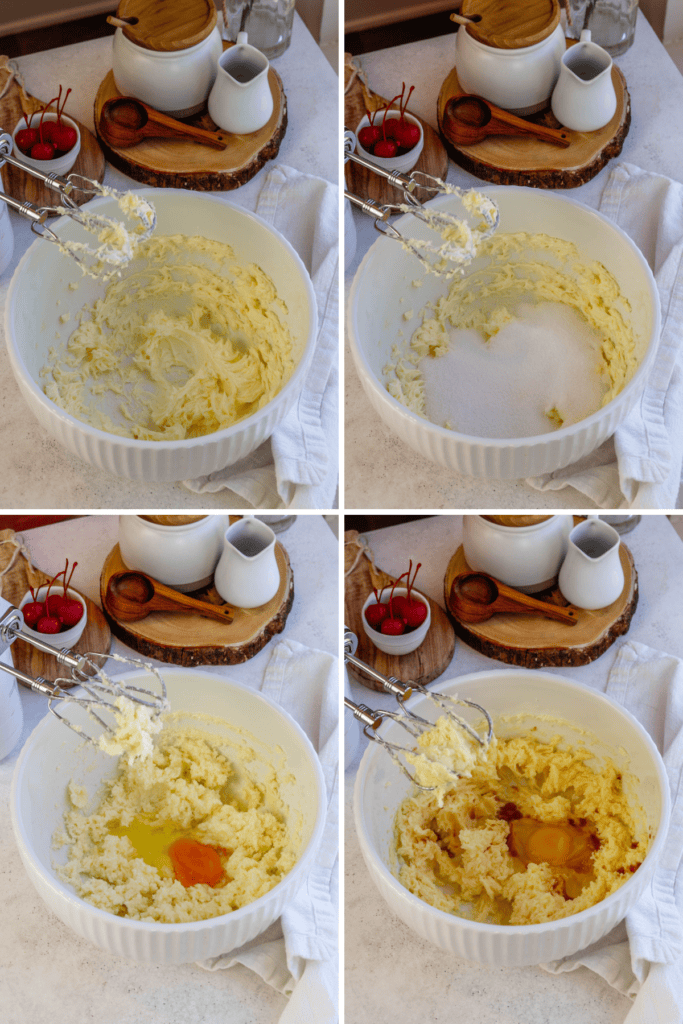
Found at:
(388, 965)
(49, 973)
(382, 471)
(36, 471)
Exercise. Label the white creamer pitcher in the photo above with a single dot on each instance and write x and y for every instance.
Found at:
(584, 98)
(247, 575)
(241, 101)
(591, 575)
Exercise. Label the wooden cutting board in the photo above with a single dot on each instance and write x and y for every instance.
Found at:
(14, 585)
(516, 160)
(13, 105)
(188, 639)
(431, 658)
(357, 99)
(534, 642)
(176, 163)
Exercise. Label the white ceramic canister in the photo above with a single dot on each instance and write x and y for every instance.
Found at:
(6, 238)
(519, 79)
(181, 551)
(525, 557)
(169, 63)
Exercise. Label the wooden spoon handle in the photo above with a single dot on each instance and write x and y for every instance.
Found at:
(459, 18)
(178, 602)
(167, 127)
(517, 125)
(519, 602)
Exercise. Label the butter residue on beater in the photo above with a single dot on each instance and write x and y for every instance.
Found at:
(485, 300)
(118, 243)
(183, 349)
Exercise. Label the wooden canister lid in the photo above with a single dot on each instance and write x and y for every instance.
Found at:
(516, 521)
(173, 520)
(167, 25)
(510, 24)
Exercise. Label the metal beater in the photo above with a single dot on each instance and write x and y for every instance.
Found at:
(102, 692)
(64, 188)
(413, 724)
(438, 220)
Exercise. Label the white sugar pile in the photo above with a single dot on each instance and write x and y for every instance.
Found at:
(538, 372)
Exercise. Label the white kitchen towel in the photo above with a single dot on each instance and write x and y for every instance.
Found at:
(643, 956)
(640, 466)
(298, 954)
(298, 466)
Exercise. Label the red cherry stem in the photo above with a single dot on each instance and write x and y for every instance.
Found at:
(40, 126)
(384, 133)
(411, 585)
(59, 115)
(67, 583)
(391, 597)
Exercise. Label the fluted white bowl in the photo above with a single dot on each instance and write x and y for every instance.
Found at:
(382, 292)
(612, 732)
(53, 755)
(39, 297)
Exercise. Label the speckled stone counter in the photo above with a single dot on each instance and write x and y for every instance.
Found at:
(49, 974)
(381, 471)
(36, 471)
(390, 972)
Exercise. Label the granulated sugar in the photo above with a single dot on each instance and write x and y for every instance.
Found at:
(540, 371)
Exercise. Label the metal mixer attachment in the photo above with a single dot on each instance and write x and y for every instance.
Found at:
(106, 229)
(87, 671)
(459, 242)
(413, 724)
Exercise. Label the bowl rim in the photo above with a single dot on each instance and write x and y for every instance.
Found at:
(302, 866)
(636, 383)
(421, 906)
(290, 388)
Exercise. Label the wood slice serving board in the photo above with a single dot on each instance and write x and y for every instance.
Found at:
(357, 99)
(13, 105)
(534, 642)
(515, 160)
(431, 658)
(189, 639)
(177, 163)
(14, 585)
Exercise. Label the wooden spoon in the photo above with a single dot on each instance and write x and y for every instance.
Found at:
(469, 119)
(125, 121)
(476, 596)
(131, 596)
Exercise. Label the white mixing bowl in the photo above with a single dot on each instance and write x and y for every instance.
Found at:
(39, 296)
(382, 292)
(53, 755)
(612, 733)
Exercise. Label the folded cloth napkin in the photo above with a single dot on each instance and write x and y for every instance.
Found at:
(298, 466)
(640, 466)
(298, 954)
(643, 956)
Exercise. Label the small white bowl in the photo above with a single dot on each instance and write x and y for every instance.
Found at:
(406, 642)
(401, 162)
(70, 636)
(61, 164)
(581, 716)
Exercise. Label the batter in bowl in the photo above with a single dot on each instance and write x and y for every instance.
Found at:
(533, 833)
(188, 342)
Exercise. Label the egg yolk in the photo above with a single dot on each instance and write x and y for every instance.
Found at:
(195, 863)
(560, 844)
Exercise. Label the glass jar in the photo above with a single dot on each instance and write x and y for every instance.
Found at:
(612, 23)
(268, 23)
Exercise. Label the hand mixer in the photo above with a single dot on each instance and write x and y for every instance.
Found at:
(459, 250)
(102, 692)
(413, 724)
(93, 223)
